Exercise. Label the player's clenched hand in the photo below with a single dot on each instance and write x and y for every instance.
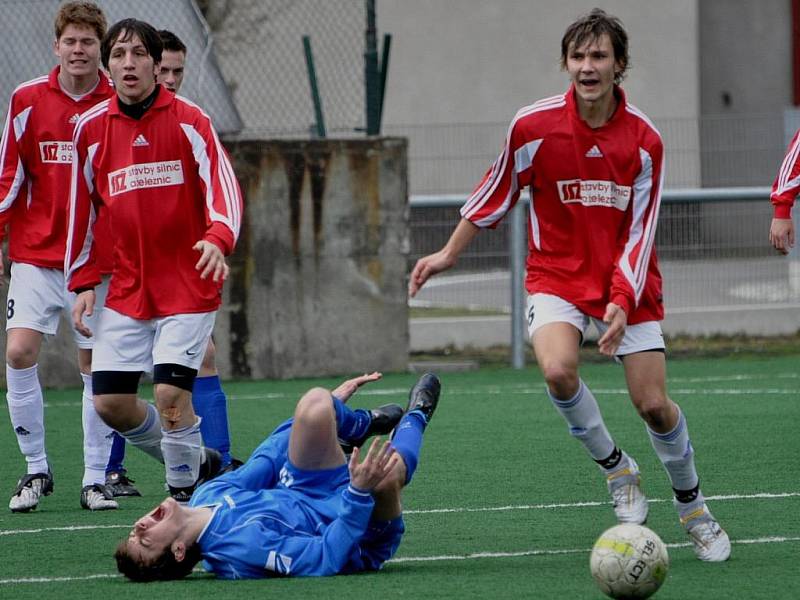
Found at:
(212, 261)
(426, 267)
(612, 338)
(84, 305)
(781, 235)
(349, 387)
(378, 463)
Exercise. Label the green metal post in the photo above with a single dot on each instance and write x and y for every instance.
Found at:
(312, 80)
(371, 82)
(384, 68)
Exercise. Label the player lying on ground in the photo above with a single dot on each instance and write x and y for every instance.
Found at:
(296, 507)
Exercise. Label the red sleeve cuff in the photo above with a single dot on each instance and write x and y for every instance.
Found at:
(783, 211)
(624, 302)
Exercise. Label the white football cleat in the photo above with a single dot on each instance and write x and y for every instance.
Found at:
(711, 543)
(30, 488)
(630, 504)
(97, 497)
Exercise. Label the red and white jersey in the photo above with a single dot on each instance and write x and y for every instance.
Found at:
(787, 183)
(595, 195)
(166, 183)
(35, 168)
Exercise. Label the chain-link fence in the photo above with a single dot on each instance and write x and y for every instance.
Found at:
(27, 31)
(259, 45)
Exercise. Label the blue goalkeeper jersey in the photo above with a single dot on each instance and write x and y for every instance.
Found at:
(271, 519)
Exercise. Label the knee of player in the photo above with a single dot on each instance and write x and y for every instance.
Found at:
(654, 408)
(561, 379)
(314, 406)
(20, 355)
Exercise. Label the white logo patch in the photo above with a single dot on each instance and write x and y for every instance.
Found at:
(74, 119)
(594, 193)
(145, 175)
(279, 563)
(55, 152)
(140, 141)
(594, 152)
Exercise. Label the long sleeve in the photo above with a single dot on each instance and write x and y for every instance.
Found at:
(631, 268)
(261, 547)
(80, 266)
(223, 198)
(787, 183)
(12, 169)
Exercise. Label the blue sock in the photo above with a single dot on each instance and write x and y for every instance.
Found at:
(350, 424)
(408, 440)
(211, 405)
(117, 454)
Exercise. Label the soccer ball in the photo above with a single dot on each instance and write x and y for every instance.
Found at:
(629, 561)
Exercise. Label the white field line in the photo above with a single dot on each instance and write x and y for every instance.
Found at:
(550, 552)
(525, 390)
(724, 497)
(428, 511)
(442, 557)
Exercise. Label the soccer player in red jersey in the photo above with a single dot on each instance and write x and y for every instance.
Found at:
(784, 191)
(35, 161)
(594, 166)
(155, 163)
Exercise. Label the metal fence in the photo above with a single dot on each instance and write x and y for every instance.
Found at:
(720, 273)
(271, 89)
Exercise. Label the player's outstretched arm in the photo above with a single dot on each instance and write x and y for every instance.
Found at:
(84, 305)
(430, 265)
(349, 387)
(781, 235)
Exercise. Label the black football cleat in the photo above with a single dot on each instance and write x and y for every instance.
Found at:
(383, 420)
(424, 396)
(209, 468)
(119, 484)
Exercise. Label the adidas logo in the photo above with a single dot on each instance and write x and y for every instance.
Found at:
(21, 431)
(74, 119)
(594, 152)
(184, 468)
(140, 141)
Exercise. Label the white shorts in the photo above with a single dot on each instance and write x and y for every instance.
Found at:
(127, 344)
(546, 308)
(37, 296)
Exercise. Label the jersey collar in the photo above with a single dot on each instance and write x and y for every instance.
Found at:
(572, 105)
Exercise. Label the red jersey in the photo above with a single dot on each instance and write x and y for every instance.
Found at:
(595, 195)
(787, 183)
(166, 183)
(35, 167)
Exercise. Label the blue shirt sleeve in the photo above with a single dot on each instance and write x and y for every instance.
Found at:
(259, 547)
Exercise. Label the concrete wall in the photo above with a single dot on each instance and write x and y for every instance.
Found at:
(318, 280)
(746, 83)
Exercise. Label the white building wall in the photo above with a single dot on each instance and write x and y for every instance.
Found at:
(471, 62)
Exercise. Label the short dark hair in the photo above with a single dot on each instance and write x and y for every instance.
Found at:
(591, 26)
(171, 41)
(163, 568)
(86, 14)
(127, 28)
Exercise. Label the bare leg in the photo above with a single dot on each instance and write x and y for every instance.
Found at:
(557, 346)
(313, 443)
(646, 376)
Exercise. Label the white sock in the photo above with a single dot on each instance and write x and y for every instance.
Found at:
(182, 449)
(97, 438)
(26, 407)
(147, 436)
(585, 422)
(675, 451)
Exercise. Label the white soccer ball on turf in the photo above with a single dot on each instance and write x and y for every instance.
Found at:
(629, 561)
